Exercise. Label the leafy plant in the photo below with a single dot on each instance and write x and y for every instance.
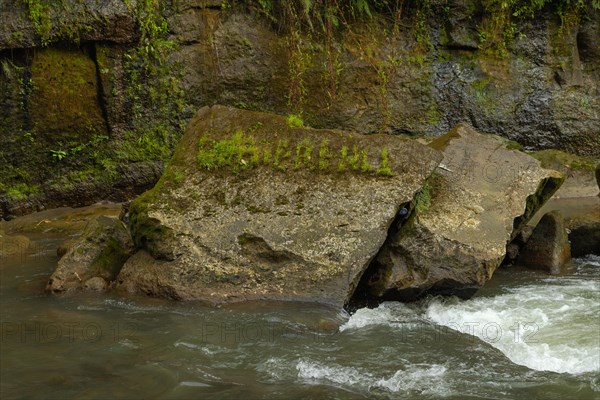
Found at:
(20, 191)
(58, 155)
(422, 199)
(294, 121)
(244, 151)
(384, 166)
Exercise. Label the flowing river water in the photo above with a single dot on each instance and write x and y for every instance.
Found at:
(525, 335)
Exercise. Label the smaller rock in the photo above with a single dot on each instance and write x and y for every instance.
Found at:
(100, 252)
(585, 239)
(512, 251)
(328, 326)
(578, 170)
(64, 247)
(548, 248)
(95, 284)
(524, 235)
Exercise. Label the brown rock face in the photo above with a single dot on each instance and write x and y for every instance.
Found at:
(251, 208)
(478, 200)
(548, 247)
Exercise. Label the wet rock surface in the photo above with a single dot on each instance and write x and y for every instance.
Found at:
(77, 20)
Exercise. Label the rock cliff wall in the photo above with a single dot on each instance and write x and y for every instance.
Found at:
(94, 95)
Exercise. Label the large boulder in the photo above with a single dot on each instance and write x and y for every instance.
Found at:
(253, 208)
(99, 253)
(548, 246)
(479, 199)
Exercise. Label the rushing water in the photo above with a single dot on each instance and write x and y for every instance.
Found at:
(526, 335)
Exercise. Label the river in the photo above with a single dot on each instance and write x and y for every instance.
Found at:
(525, 335)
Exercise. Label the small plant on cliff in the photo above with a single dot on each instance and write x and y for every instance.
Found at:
(20, 191)
(342, 163)
(152, 82)
(238, 152)
(498, 29)
(324, 155)
(384, 166)
(58, 155)
(294, 121)
(422, 199)
(39, 15)
(241, 151)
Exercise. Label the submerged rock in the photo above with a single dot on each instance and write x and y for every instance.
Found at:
(548, 246)
(13, 245)
(96, 284)
(251, 208)
(479, 199)
(99, 253)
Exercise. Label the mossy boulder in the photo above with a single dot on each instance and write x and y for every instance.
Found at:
(251, 208)
(64, 98)
(479, 199)
(100, 252)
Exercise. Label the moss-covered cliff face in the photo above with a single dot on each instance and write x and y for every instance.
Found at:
(94, 95)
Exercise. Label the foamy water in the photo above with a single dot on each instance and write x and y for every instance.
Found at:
(425, 379)
(550, 325)
(502, 344)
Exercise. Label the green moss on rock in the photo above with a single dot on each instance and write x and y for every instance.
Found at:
(564, 162)
(64, 101)
(244, 150)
